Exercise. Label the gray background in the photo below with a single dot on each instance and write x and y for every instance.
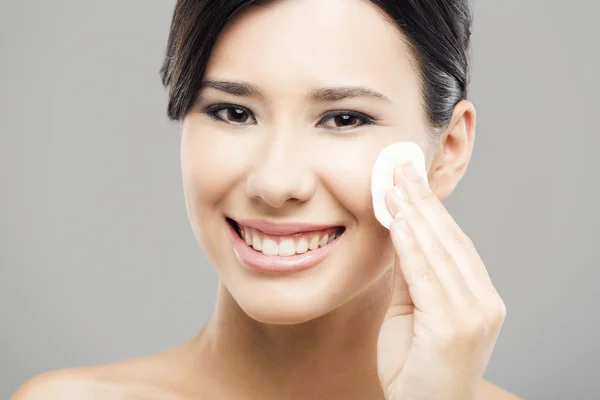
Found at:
(98, 262)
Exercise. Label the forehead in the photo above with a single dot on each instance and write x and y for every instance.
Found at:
(295, 44)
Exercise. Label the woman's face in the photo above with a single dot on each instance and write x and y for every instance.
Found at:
(326, 86)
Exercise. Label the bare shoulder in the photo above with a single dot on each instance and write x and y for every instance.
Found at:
(141, 378)
(63, 384)
(489, 391)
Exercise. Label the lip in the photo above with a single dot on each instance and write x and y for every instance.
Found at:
(279, 264)
(273, 228)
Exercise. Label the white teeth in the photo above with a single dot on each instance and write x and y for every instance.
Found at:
(256, 243)
(302, 246)
(314, 243)
(270, 247)
(287, 248)
(323, 240)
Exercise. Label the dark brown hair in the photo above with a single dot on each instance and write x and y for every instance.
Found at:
(438, 34)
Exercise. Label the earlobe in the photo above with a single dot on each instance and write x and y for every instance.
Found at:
(454, 150)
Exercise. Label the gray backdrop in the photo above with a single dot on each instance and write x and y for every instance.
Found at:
(97, 259)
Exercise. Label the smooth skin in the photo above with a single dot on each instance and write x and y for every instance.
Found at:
(387, 315)
(444, 297)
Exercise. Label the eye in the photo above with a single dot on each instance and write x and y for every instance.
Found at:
(231, 114)
(344, 120)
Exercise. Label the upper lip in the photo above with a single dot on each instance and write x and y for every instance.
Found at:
(280, 228)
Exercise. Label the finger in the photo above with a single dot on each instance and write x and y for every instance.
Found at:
(400, 292)
(391, 200)
(457, 242)
(400, 303)
(424, 288)
(438, 257)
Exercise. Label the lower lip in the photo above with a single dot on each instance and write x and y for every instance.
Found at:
(261, 262)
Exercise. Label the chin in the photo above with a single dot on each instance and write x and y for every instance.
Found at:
(281, 314)
(296, 293)
(286, 304)
(302, 297)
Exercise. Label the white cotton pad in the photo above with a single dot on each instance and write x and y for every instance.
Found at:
(382, 175)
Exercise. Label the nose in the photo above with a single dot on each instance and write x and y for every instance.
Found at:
(280, 173)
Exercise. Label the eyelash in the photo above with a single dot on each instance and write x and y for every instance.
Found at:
(213, 110)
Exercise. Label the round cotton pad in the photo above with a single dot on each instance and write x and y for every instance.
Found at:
(382, 175)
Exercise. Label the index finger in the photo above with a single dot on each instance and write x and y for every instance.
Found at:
(456, 241)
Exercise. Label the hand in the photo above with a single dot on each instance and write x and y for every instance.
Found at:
(445, 315)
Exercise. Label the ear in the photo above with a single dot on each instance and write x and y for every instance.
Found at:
(453, 151)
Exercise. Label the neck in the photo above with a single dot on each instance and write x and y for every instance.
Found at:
(330, 357)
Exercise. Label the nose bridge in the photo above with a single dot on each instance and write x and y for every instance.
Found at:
(281, 171)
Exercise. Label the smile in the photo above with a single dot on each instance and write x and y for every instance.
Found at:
(282, 247)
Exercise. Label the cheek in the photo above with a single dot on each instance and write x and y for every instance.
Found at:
(212, 162)
(211, 166)
(347, 164)
(346, 171)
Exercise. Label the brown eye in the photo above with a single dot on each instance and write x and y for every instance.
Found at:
(342, 120)
(234, 115)
(345, 120)
(231, 114)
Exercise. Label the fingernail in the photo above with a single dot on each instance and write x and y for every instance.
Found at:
(410, 172)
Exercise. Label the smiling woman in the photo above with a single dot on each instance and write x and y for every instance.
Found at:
(284, 107)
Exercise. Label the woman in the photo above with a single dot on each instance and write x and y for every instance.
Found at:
(284, 107)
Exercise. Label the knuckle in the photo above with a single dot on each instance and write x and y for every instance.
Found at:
(423, 273)
(475, 328)
(468, 242)
(441, 253)
(430, 199)
(462, 242)
(413, 249)
(497, 312)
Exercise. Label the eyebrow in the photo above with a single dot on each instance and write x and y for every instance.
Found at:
(325, 95)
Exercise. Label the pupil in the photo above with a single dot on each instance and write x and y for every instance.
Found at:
(345, 120)
(238, 114)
